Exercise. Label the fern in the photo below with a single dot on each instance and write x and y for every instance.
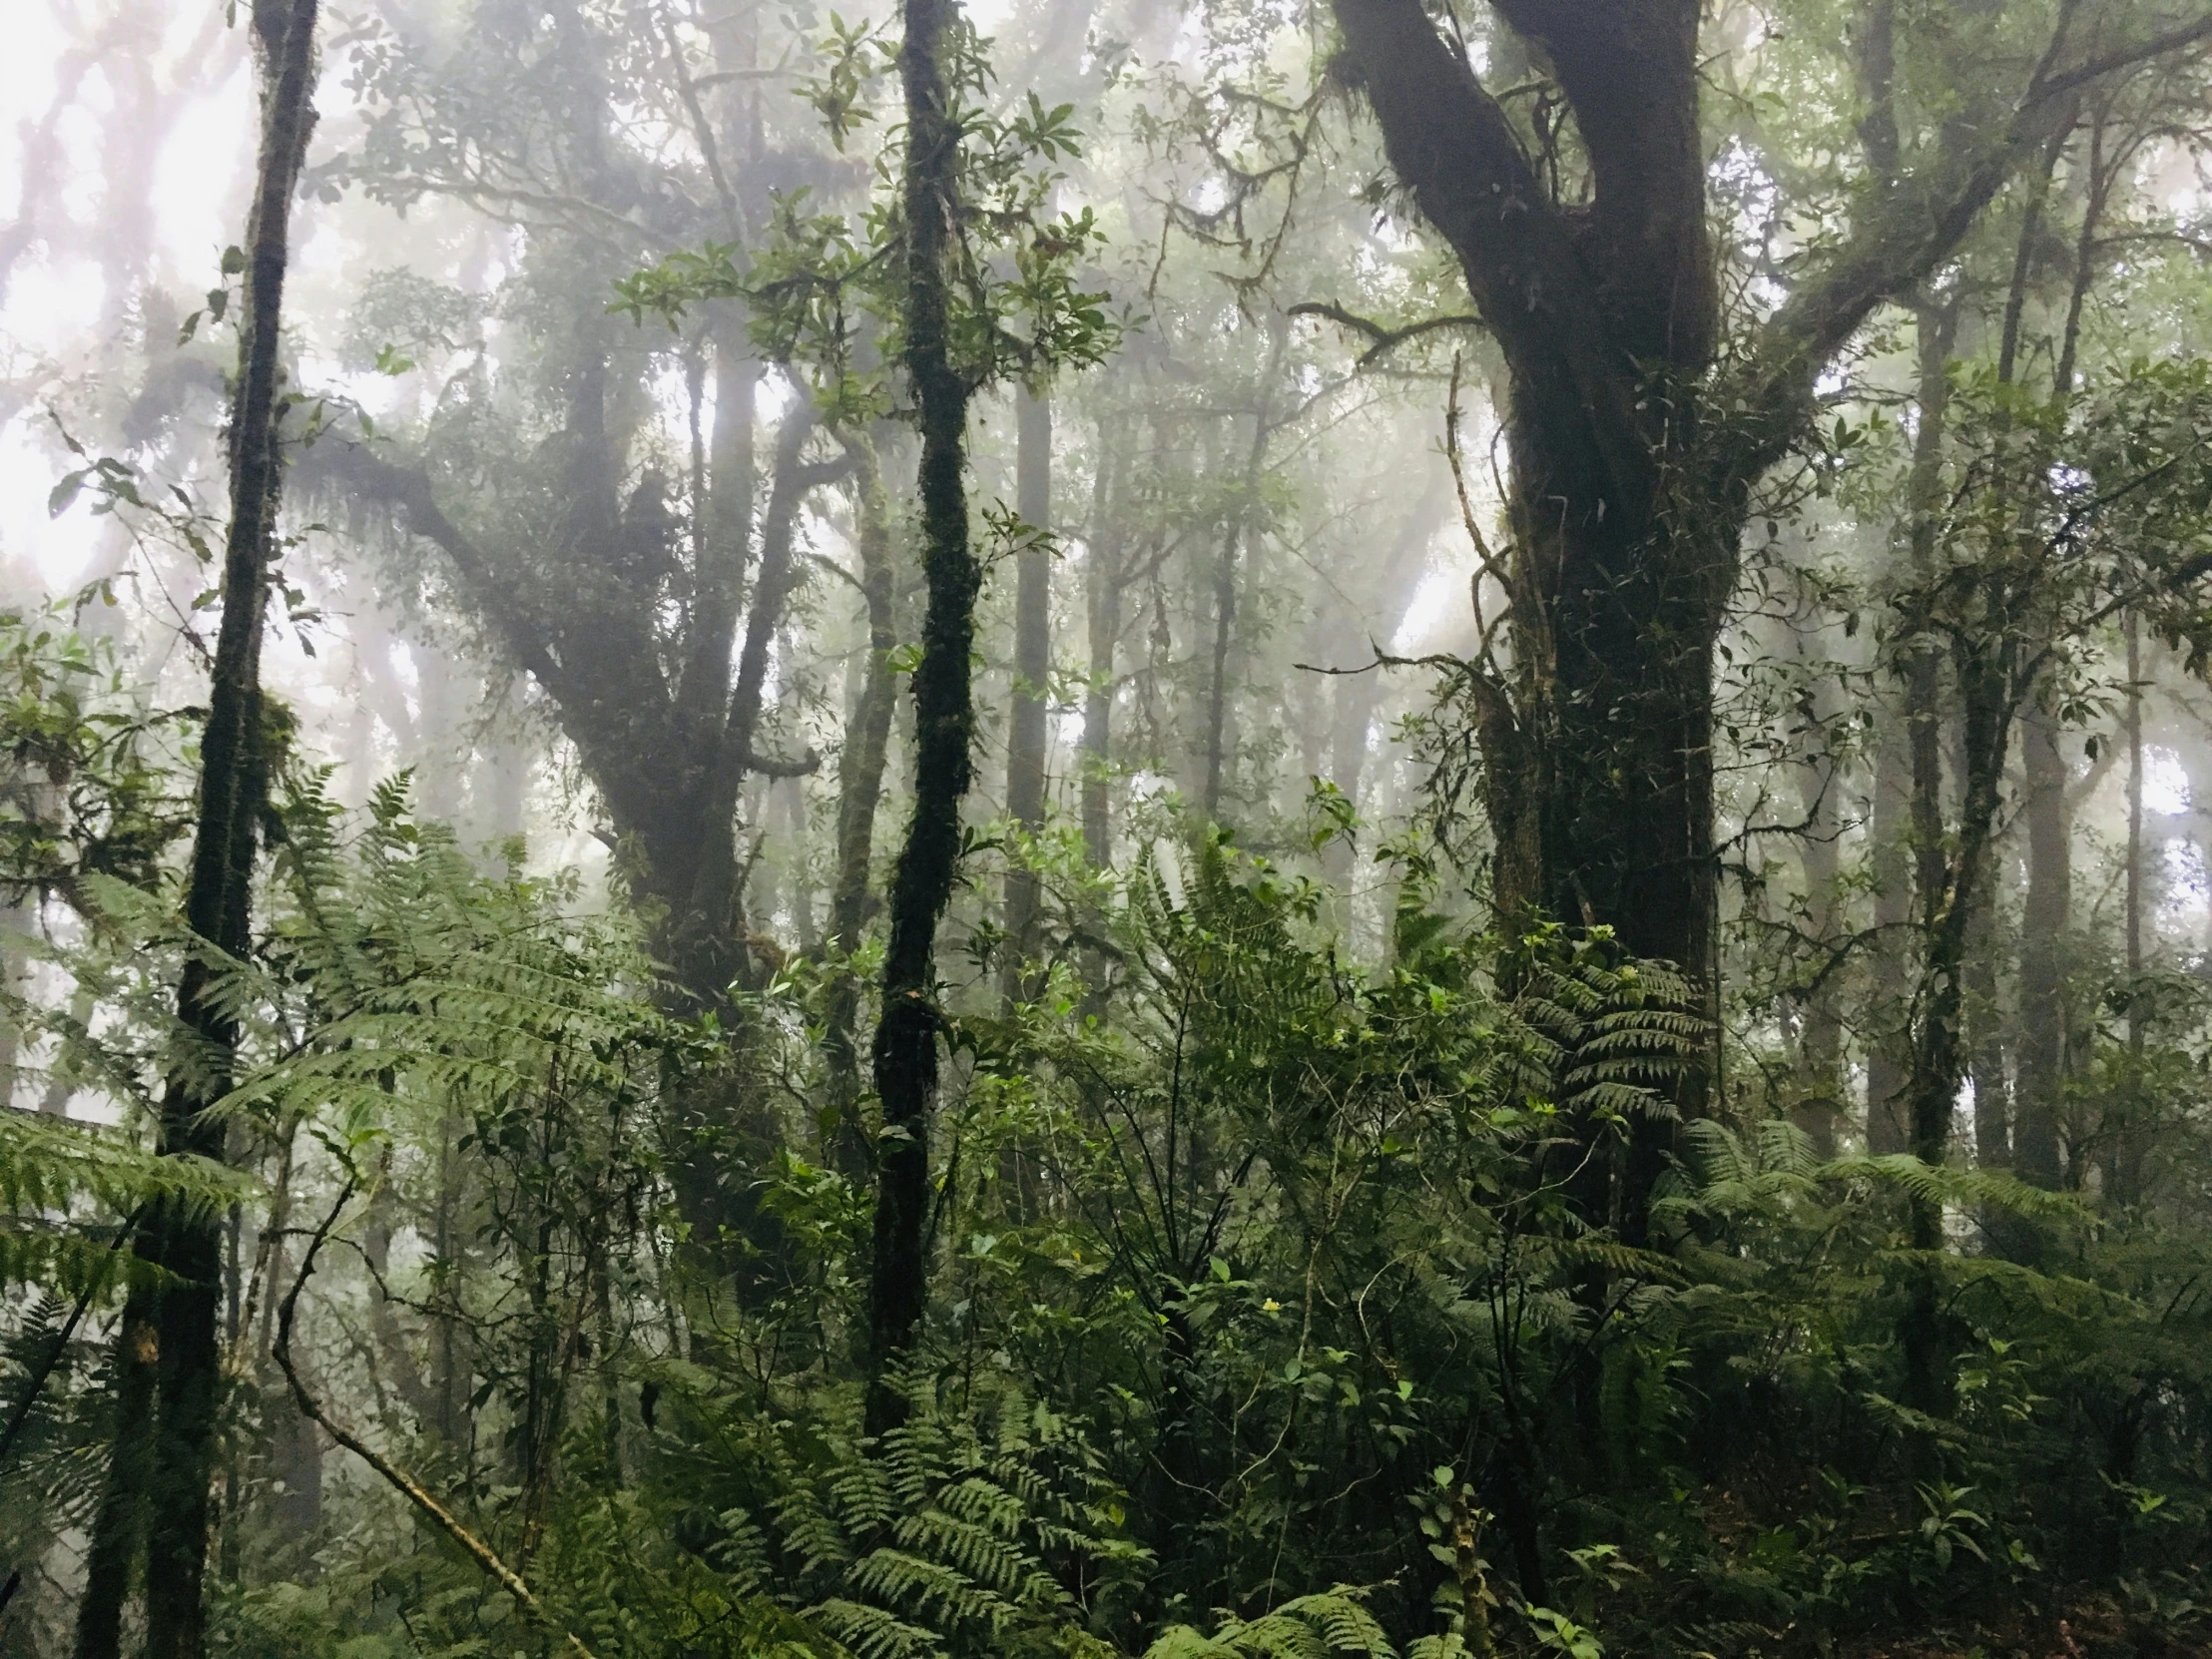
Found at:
(1308, 1627)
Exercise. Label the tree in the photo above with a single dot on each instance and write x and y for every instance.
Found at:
(167, 1377)
(1641, 415)
(572, 554)
(905, 1054)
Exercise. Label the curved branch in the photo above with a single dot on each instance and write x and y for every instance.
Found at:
(1384, 340)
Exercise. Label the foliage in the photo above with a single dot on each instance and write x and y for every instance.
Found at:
(825, 289)
(1289, 1289)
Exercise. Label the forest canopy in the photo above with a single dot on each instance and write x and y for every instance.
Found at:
(1176, 828)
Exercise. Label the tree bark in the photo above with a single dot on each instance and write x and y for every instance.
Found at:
(2124, 1163)
(1234, 534)
(707, 943)
(1817, 1107)
(644, 695)
(1892, 912)
(2045, 1022)
(168, 1346)
(945, 716)
(1987, 1028)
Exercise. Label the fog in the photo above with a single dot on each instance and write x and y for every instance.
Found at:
(1586, 730)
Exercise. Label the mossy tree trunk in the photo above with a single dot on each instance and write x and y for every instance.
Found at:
(168, 1358)
(905, 1057)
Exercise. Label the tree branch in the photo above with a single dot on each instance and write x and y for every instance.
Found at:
(1922, 220)
(397, 1478)
(408, 489)
(1384, 339)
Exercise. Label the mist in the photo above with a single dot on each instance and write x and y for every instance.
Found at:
(1105, 825)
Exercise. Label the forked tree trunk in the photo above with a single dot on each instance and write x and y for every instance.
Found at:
(168, 1351)
(708, 943)
(945, 716)
(1632, 462)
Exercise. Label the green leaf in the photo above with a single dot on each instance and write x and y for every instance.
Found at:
(60, 497)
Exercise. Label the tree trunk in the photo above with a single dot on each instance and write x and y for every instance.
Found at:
(119, 1524)
(1892, 911)
(1234, 535)
(182, 1318)
(1026, 741)
(2124, 1170)
(1820, 1097)
(1985, 1018)
(724, 537)
(1986, 1029)
(17, 923)
(1952, 873)
(1103, 581)
(945, 716)
(706, 944)
(1630, 482)
(859, 792)
(1599, 766)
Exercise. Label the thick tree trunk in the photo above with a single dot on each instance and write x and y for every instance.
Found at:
(1599, 783)
(1026, 740)
(944, 716)
(182, 1319)
(1599, 763)
(1630, 480)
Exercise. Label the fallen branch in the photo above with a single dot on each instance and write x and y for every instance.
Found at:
(414, 1491)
